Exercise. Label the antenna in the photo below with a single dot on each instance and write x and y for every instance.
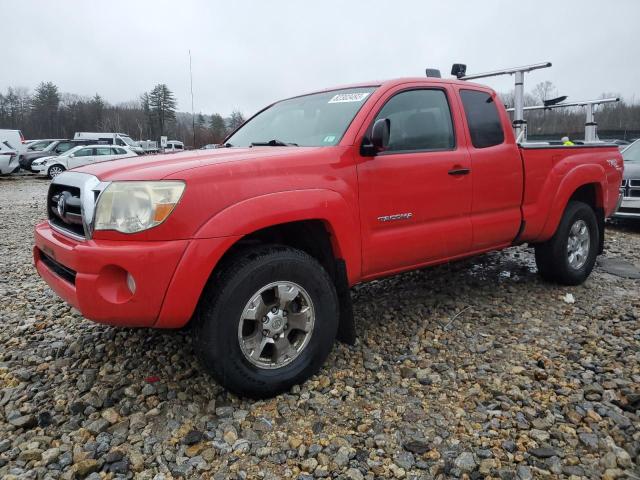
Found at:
(519, 123)
(193, 116)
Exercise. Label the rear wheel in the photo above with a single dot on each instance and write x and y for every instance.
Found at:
(55, 170)
(267, 321)
(570, 255)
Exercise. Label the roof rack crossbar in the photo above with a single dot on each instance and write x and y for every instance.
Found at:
(590, 125)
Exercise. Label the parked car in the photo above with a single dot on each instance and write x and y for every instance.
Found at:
(121, 139)
(8, 159)
(55, 148)
(630, 188)
(39, 145)
(15, 139)
(79, 156)
(210, 146)
(258, 243)
(174, 146)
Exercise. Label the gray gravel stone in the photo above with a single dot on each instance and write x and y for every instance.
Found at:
(453, 366)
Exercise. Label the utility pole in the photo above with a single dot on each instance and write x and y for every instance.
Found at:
(193, 116)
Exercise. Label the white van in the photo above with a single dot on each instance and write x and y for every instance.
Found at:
(8, 159)
(121, 139)
(15, 139)
(174, 146)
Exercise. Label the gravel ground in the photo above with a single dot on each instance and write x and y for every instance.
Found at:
(473, 370)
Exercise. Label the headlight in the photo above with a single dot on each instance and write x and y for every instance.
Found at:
(130, 207)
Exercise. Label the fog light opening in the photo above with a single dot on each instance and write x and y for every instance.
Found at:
(131, 283)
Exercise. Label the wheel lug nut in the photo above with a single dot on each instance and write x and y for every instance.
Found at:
(265, 333)
(274, 310)
(265, 319)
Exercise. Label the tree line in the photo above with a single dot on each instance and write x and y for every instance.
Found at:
(48, 113)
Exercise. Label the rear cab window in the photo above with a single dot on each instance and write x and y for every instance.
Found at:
(483, 119)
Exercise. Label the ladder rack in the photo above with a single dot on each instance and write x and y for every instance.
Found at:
(590, 125)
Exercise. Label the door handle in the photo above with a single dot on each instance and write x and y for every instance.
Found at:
(460, 171)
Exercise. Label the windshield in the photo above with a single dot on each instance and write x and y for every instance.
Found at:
(315, 120)
(128, 141)
(632, 152)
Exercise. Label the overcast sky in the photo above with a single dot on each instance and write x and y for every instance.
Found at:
(248, 53)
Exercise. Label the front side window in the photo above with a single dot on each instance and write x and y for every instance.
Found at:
(484, 123)
(84, 152)
(419, 120)
(316, 120)
(177, 146)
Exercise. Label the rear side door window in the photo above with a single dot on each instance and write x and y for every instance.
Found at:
(420, 120)
(483, 119)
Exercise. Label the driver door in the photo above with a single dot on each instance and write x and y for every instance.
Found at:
(415, 197)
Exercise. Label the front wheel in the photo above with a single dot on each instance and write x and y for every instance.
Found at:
(54, 171)
(267, 321)
(570, 255)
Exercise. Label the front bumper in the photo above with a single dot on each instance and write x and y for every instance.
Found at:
(41, 168)
(629, 208)
(92, 275)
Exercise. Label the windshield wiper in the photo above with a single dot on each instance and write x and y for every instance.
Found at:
(228, 145)
(274, 143)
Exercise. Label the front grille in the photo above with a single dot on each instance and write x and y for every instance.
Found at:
(630, 188)
(64, 208)
(59, 269)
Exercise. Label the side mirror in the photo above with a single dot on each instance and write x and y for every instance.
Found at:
(72, 155)
(379, 138)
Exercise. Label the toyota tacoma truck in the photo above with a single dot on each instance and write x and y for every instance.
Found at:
(256, 245)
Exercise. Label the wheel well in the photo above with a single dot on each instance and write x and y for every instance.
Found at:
(591, 194)
(314, 238)
(310, 236)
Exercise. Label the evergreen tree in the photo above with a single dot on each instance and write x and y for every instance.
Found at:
(162, 106)
(218, 128)
(45, 109)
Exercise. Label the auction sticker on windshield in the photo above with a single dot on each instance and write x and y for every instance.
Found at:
(348, 97)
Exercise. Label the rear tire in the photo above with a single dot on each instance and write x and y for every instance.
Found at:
(249, 331)
(569, 256)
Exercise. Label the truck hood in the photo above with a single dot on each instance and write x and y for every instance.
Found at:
(157, 167)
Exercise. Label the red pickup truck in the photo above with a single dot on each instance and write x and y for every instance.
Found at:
(257, 244)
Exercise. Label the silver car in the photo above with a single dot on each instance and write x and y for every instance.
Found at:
(630, 188)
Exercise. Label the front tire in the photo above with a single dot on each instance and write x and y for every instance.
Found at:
(570, 255)
(267, 321)
(54, 171)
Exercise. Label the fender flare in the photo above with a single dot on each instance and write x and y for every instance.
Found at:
(577, 177)
(328, 206)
